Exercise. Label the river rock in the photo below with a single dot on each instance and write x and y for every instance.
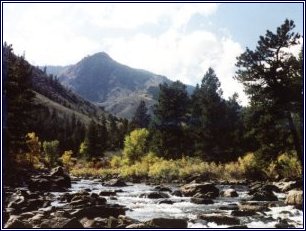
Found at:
(98, 222)
(177, 193)
(169, 202)
(40, 183)
(103, 211)
(229, 193)
(205, 189)
(56, 181)
(295, 197)
(253, 206)
(139, 226)
(243, 213)
(283, 224)
(238, 227)
(162, 188)
(264, 195)
(61, 223)
(107, 193)
(198, 200)
(168, 223)
(115, 183)
(229, 207)
(66, 197)
(60, 177)
(220, 219)
(154, 195)
(16, 223)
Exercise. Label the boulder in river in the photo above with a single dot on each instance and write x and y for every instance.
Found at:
(107, 193)
(264, 195)
(177, 193)
(115, 183)
(169, 202)
(243, 213)
(162, 188)
(154, 195)
(61, 223)
(283, 224)
(253, 206)
(16, 223)
(56, 181)
(206, 188)
(295, 197)
(168, 223)
(103, 211)
(286, 186)
(198, 200)
(229, 193)
(220, 219)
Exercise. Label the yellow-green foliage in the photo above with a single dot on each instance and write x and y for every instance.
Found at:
(135, 145)
(234, 170)
(83, 171)
(286, 165)
(158, 168)
(66, 159)
(84, 150)
(33, 156)
(51, 150)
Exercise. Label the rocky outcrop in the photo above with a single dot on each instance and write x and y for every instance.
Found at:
(56, 181)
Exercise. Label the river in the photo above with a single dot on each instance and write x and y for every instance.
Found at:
(144, 209)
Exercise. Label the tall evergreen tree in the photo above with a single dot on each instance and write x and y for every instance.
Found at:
(170, 113)
(18, 102)
(272, 78)
(216, 124)
(141, 118)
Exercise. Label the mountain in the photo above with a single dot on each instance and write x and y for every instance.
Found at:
(114, 86)
(37, 102)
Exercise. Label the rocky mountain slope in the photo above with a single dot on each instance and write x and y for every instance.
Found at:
(107, 83)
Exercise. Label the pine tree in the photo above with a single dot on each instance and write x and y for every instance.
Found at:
(141, 118)
(171, 115)
(272, 78)
(18, 102)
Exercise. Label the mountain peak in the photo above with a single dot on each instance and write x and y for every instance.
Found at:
(99, 55)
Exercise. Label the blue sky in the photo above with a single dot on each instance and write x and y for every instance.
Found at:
(180, 41)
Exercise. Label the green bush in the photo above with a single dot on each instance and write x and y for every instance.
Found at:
(287, 165)
(135, 145)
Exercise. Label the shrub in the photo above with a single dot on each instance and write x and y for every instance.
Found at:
(51, 150)
(252, 167)
(135, 145)
(66, 159)
(33, 157)
(287, 165)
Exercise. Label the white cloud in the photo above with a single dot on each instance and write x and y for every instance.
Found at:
(61, 34)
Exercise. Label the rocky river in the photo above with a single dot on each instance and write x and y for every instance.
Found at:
(93, 203)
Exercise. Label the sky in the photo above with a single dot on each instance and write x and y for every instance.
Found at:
(177, 40)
